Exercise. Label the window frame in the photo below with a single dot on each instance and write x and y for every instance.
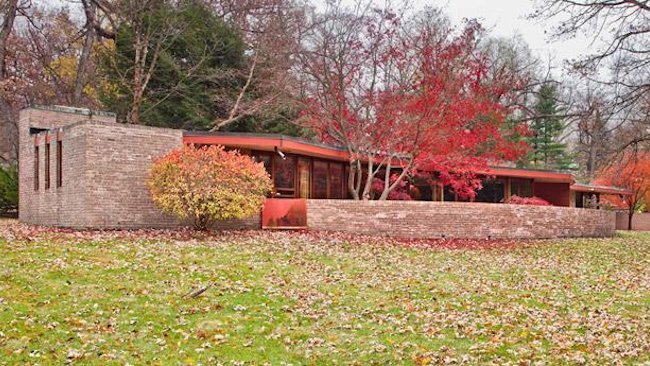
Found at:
(47, 165)
(37, 167)
(59, 164)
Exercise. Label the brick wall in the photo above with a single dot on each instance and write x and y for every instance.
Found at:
(105, 166)
(419, 219)
(640, 221)
(64, 205)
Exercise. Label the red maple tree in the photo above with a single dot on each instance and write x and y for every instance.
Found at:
(404, 99)
(631, 172)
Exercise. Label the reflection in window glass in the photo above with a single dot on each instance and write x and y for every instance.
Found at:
(448, 195)
(336, 181)
(492, 191)
(303, 178)
(320, 179)
(521, 187)
(284, 172)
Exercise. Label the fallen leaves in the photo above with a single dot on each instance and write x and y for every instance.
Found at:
(315, 297)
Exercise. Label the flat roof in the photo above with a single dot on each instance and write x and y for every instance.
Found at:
(267, 142)
(593, 188)
(537, 174)
(296, 145)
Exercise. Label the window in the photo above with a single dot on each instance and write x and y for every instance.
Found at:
(285, 175)
(47, 165)
(59, 164)
(521, 187)
(336, 181)
(320, 180)
(303, 178)
(492, 191)
(448, 195)
(36, 168)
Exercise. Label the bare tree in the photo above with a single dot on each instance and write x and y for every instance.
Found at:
(594, 130)
(624, 26)
(8, 150)
(621, 61)
(269, 28)
(90, 36)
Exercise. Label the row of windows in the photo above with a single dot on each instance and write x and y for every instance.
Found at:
(304, 177)
(47, 159)
(494, 190)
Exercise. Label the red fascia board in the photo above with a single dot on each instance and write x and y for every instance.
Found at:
(602, 190)
(551, 177)
(269, 144)
(289, 146)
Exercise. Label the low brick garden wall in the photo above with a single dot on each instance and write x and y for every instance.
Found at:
(418, 219)
(640, 221)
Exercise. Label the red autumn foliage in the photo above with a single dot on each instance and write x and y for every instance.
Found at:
(188, 236)
(406, 103)
(631, 172)
(534, 201)
(402, 191)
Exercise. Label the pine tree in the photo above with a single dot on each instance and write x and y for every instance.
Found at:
(548, 151)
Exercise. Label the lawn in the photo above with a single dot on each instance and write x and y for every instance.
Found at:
(291, 298)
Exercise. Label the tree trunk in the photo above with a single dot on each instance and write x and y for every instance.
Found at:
(82, 67)
(7, 27)
(7, 115)
(352, 182)
(366, 188)
(630, 215)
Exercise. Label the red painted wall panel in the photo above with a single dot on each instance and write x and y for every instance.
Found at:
(284, 213)
(558, 194)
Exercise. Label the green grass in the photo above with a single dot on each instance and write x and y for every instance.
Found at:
(292, 299)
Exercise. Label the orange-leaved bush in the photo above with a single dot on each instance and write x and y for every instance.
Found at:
(206, 184)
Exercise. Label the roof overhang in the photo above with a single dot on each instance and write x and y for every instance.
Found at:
(271, 142)
(267, 142)
(591, 188)
(537, 175)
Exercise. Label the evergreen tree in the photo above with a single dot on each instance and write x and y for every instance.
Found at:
(547, 150)
(196, 75)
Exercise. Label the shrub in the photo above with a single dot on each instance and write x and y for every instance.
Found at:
(8, 188)
(207, 184)
(401, 193)
(535, 201)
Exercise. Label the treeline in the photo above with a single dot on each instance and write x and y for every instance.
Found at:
(253, 65)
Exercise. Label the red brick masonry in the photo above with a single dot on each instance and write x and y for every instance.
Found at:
(419, 219)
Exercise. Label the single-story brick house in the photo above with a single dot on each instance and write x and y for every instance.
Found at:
(79, 168)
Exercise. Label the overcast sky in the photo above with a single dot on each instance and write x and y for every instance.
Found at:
(508, 17)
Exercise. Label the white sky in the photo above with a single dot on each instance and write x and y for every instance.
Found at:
(508, 17)
(505, 18)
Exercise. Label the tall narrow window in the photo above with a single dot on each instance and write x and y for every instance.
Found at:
(47, 166)
(284, 176)
(36, 168)
(336, 180)
(303, 178)
(59, 164)
(320, 189)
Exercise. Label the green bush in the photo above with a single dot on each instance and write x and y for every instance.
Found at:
(8, 188)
